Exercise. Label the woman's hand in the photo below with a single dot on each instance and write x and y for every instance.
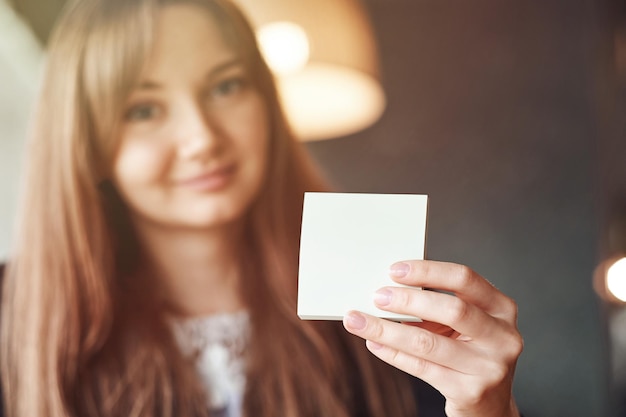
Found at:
(466, 347)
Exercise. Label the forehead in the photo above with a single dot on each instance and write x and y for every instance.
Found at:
(188, 41)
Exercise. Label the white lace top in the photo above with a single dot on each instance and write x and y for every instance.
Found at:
(217, 343)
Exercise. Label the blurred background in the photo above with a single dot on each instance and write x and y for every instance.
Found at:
(511, 117)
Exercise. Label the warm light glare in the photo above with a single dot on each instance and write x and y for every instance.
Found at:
(324, 59)
(616, 279)
(324, 100)
(285, 46)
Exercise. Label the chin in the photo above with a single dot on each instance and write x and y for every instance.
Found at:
(214, 215)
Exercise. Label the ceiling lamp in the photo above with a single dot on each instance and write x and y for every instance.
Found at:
(323, 54)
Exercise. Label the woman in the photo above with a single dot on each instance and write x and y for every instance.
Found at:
(154, 272)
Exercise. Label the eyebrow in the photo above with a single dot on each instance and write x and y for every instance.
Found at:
(217, 70)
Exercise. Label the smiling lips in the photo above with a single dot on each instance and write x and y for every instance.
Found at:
(213, 180)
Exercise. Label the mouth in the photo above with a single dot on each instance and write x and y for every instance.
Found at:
(213, 180)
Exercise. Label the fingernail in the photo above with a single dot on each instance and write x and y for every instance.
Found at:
(355, 321)
(382, 297)
(373, 345)
(399, 269)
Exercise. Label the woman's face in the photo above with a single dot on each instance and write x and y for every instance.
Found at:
(194, 141)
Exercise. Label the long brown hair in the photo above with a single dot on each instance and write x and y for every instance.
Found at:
(77, 339)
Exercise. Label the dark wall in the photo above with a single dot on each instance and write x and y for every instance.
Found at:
(503, 113)
(493, 112)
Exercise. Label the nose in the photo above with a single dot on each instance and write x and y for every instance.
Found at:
(198, 135)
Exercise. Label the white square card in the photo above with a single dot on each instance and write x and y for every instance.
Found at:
(348, 243)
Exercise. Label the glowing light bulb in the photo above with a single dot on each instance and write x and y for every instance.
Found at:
(616, 279)
(285, 46)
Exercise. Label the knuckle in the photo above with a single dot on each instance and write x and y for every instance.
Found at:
(494, 375)
(511, 308)
(418, 366)
(375, 331)
(458, 310)
(402, 299)
(464, 276)
(498, 373)
(394, 356)
(422, 268)
(474, 394)
(516, 345)
(423, 343)
(519, 346)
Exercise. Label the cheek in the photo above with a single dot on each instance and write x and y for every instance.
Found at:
(138, 164)
(257, 138)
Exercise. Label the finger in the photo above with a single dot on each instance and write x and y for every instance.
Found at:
(416, 342)
(465, 394)
(447, 381)
(459, 279)
(458, 314)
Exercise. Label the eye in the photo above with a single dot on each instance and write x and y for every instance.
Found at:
(142, 112)
(228, 88)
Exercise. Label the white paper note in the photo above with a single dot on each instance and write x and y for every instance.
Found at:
(348, 243)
